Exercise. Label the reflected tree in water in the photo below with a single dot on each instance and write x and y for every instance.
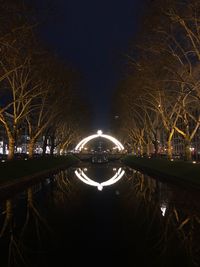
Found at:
(8, 217)
(22, 241)
(65, 189)
(8, 233)
(27, 235)
(182, 218)
(175, 214)
(34, 217)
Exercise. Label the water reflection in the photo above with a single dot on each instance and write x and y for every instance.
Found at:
(176, 214)
(26, 236)
(141, 218)
(22, 234)
(80, 174)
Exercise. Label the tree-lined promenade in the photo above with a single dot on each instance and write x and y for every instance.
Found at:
(159, 98)
(40, 95)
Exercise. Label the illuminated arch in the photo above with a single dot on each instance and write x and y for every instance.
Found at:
(84, 178)
(83, 142)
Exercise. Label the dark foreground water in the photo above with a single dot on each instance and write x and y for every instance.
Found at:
(138, 221)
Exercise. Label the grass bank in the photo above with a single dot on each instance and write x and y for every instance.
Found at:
(16, 170)
(181, 172)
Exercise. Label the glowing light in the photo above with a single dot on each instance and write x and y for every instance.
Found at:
(83, 142)
(100, 187)
(194, 162)
(163, 209)
(84, 178)
(99, 132)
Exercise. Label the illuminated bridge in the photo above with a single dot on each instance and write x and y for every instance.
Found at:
(99, 156)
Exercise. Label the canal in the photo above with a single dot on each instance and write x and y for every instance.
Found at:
(137, 221)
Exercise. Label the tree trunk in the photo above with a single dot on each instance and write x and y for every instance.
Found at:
(148, 149)
(64, 146)
(134, 149)
(11, 147)
(188, 153)
(52, 137)
(31, 148)
(169, 149)
(141, 150)
(44, 147)
(61, 151)
(58, 150)
(155, 143)
(169, 144)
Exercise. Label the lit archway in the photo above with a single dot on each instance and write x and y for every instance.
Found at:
(84, 178)
(83, 142)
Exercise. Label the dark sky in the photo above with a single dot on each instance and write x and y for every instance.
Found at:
(93, 35)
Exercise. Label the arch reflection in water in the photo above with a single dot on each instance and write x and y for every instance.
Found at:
(84, 178)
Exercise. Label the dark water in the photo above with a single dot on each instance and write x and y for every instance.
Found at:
(139, 221)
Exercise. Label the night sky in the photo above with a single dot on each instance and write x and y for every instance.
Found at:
(94, 37)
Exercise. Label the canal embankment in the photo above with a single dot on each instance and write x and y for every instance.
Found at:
(179, 172)
(16, 174)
